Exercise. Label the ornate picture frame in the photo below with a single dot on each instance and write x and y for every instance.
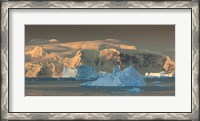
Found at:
(6, 115)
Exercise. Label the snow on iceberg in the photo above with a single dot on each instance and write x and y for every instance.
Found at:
(69, 72)
(127, 77)
(102, 74)
(85, 72)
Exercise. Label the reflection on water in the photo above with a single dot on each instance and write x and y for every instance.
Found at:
(71, 87)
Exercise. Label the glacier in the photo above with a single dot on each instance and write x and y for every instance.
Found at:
(69, 72)
(127, 77)
(161, 74)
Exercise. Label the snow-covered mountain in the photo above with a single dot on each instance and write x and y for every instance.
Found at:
(48, 59)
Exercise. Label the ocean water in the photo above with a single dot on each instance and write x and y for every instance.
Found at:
(71, 87)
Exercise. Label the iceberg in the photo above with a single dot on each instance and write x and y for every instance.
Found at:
(127, 77)
(102, 74)
(116, 69)
(135, 90)
(85, 72)
(69, 72)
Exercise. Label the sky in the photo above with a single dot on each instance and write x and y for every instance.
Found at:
(159, 38)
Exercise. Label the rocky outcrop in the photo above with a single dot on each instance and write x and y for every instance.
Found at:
(32, 70)
(37, 52)
(169, 65)
(148, 62)
(46, 68)
(74, 61)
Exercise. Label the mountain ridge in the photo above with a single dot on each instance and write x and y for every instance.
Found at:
(49, 64)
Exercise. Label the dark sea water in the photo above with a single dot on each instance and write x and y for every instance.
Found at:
(71, 87)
